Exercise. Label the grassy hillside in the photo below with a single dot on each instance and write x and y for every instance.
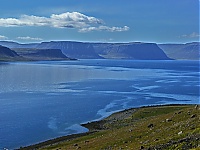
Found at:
(159, 127)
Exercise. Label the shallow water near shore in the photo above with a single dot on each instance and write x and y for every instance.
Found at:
(44, 100)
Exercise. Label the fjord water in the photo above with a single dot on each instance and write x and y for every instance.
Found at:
(44, 100)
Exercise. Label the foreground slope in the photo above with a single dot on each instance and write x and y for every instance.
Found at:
(158, 127)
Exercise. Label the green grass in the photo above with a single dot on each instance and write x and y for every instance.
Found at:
(133, 132)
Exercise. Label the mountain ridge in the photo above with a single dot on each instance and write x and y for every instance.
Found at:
(130, 50)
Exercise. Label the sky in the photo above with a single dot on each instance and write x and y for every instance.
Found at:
(159, 21)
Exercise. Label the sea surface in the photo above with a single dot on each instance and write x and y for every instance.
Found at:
(48, 99)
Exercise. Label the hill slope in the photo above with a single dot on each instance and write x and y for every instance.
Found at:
(158, 127)
(7, 54)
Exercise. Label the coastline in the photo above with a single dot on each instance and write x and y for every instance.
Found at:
(101, 125)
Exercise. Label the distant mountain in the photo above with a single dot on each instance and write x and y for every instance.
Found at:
(134, 50)
(188, 51)
(24, 54)
(137, 51)
(8, 54)
(41, 54)
(81, 50)
(12, 45)
(72, 49)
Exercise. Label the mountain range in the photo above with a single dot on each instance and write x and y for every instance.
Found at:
(64, 50)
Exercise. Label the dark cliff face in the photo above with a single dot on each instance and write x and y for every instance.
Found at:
(72, 49)
(6, 52)
(188, 51)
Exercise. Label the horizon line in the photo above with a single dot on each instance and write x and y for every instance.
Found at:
(96, 42)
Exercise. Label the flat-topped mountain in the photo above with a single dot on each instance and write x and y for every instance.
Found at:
(80, 50)
(134, 50)
(188, 51)
(41, 54)
(72, 49)
(137, 51)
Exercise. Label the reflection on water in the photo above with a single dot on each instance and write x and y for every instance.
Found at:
(43, 100)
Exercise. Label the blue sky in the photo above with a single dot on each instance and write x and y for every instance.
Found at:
(160, 21)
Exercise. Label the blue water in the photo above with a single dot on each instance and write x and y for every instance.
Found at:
(44, 100)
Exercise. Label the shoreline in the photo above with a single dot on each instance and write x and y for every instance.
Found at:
(96, 126)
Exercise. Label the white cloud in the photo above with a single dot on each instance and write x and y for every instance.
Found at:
(65, 20)
(192, 35)
(3, 37)
(29, 38)
(105, 28)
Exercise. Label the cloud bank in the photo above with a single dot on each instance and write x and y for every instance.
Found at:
(29, 38)
(2, 37)
(192, 35)
(75, 20)
(105, 28)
